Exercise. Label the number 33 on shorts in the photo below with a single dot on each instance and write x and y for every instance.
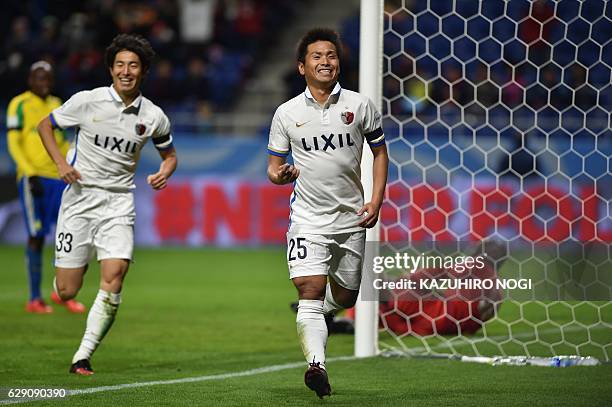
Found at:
(63, 242)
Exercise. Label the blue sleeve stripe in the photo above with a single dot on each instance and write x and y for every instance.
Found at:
(276, 153)
(294, 195)
(380, 143)
(53, 122)
(76, 147)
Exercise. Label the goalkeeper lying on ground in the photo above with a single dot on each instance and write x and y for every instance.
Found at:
(449, 312)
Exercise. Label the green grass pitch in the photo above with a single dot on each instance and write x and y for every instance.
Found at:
(198, 312)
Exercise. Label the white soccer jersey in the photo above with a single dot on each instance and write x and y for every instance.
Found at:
(110, 135)
(326, 143)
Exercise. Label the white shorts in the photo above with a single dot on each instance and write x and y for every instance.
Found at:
(94, 218)
(339, 256)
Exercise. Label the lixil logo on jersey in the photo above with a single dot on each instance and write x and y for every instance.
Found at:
(115, 144)
(327, 142)
(347, 117)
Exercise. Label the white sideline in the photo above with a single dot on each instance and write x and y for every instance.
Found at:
(250, 372)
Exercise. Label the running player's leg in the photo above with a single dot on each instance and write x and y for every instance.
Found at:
(311, 327)
(312, 331)
(112, 274)
(71, 265)
(71, 280)
(345, 272)
(340, 256)
(34, 265)
(102, 313)
(73, 238)
(308, 259)
(68, 281)
(30, 194)
(114, 242)
(338, 297)
(71, 258)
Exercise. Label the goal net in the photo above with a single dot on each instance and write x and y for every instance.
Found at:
(497, 119)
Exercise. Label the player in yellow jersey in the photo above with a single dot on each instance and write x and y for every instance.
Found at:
(40, 187)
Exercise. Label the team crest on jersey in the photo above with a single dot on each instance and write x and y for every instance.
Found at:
(140, 129)
(347, 117)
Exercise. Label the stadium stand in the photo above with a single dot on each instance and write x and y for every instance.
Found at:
(199, 70)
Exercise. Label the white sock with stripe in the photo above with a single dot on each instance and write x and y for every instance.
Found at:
(312, 330)
(99, 320)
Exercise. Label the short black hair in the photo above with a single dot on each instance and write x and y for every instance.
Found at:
(314, 35)
(130, 42)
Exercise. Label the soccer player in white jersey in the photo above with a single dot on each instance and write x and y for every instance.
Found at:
(97, 211)
(324, 129)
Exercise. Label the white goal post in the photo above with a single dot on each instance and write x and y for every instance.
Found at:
(370, 85)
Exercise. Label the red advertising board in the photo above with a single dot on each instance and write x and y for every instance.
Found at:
(243, 212)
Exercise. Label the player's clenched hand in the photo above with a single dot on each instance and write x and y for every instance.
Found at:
(369, 212)
(158, 180)
(287, 173)
(68, 173)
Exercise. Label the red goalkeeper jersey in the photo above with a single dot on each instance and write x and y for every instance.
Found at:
(457, 313)
(431, 317)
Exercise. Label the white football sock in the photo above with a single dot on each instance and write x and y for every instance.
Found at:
(100, 319)
(312, 330)
(330, 306)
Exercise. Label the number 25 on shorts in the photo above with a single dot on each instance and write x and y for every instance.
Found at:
(296, 249)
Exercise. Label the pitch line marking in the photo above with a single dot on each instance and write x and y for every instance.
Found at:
(221, 376)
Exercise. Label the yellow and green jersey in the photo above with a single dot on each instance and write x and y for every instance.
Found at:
(25, 146)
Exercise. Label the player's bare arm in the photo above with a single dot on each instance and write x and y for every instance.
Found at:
(159, 180)
(280, 172)
(66, 172)
(380, 169)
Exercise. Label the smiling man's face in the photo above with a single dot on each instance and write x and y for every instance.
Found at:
(321, 66)
(127, 73)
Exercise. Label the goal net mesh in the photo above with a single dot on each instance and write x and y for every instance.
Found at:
(497, 119)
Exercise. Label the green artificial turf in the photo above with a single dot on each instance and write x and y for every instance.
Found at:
(205, 312)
